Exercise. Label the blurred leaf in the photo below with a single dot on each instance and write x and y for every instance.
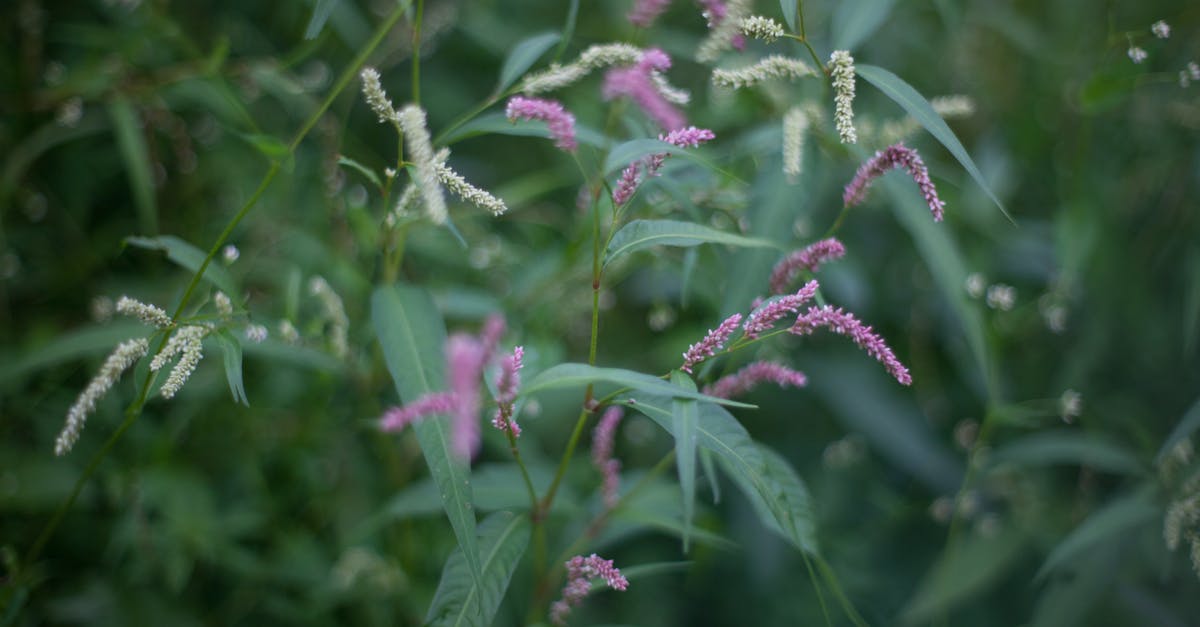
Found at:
(1106, 89)
(302, 356)
(789, 12)
(503, 537)
(131, 144)
(777, 493)
(657, 568)
(19, 158)
(498, 124)
(1112, 520)
(273, 148)
(412, 336)
(191, 258)
(231, 349)
(320, 14)
(575, 375)
(965, 569)
(916, 106)
(523, 56)
(642, 234)
(361, 169)
(1182, 431)
(855, 21)
(497, 487)
(710, 473)
(684, 418)
(1191, 301)
(1066, 447)
(1068, 600)
(68, 346)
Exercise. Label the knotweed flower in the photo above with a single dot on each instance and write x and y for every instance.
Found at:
(288, 332)
(723, 29)
(635, 82)
(1161, 29)
(593, 58)
(335, 312)
(690, 137)
(223, 304)
(377, 98)
(230, 254)
(644, 12)
(841, 66)
(464, 362)
(627, 185)
(795, 126)
(256, 333)
(579, 571)
(416, 136)
(766, 315)
(953, 106)
(560, 122)
(897, 155)
(459, 186)
(124, 356)
(774, 66)
(844, 323)
(1136, 54)
(750, 376)
(148, 314)
(669, 92)
(1001, 296)
(603, 441)
(493, 329)
(809, 258)
(760, 27)
(508, 382)
(397, 418)
(191, 351)
(714, 11)
(711, 343)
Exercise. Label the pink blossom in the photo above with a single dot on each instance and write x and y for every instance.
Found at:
(750, 376)
(397, 418)
(508, 382)
(714, 11)
(711, 343)
(489, 336)
(465, 359)
(628, 184)
(603, 439)
(768, 314)
(636, 83)
(810, 258)
(579, 571)
(560, 122)
(894, 156)
(844, 323)
(689, 137)
(644, 12)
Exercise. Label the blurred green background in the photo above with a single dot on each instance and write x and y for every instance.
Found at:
(127, 117)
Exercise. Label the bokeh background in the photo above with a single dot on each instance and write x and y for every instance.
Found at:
(1032, 413)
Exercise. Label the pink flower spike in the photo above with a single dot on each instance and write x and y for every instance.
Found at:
(894, 156)
(771, 311)
(560, 122)
(493, 329)
(627, 185)
(465, 360)
(750, 376)
(507, 384)
(689, 137)
(810, 258)
(714, 11)
(844, 323)
(644, 12)
(397, 418)
(603, 439)
(579, 571)
(711, 343)
(636, 83)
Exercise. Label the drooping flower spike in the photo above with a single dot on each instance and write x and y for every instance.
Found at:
(508, 382)
(774, 66)
(808, 258)
(603, 441)
(560, 122)
(844, 323)
(636, 83)
(895, 156)
(753, 374)
(579, 571)
(124, 356)
(711, 343)
(629, 182)
(841, 66)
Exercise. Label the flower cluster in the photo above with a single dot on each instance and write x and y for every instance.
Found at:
(751, 375)
(508, 382)
(416, 136)
(841, 66)
(774, 66)
(579, 572)
(713, 342)
(894, 156)
(764, 317)
(185, 342)
(644, 12)
(603, 441)
(760, 27)
(795, 126)
(560, 122)
(459, 186)
(377, 98)
(724, 22)
(148, 314)
(844, 323)
(593, 58)
(809, 258)
(629, 182)
(124, 356)
(636, 83)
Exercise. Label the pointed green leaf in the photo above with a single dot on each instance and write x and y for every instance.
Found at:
(460, 600)
(577, 375)
(710, 474)
(789, 13)
(191, 258)
(231, 350)
(641, 234)
(1104, 525)
(320, 15)
(856, 20)
(523, 56)
(921, 111)
(1067, 447)
(361, 169)
(412, 335)
(777, 493)
(685, 415)
(1182, 431)
(131, 144)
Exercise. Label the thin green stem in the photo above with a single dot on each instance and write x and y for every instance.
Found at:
(516, 453)
(812, 575)
(548, 500)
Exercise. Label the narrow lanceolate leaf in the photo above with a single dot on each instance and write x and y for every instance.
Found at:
(856, 20)
(361, 169)
(131, 145)
(231, 350)
(523, 56)
(921, 111)
(685, 415)
(460, 601)
(1187, 425)
(788, 7)
(777, 493)
(1067, 447)
(578, 375)
(1107, 524)
(641, 234)
(412, 334)
(320, 15)
(189, 257)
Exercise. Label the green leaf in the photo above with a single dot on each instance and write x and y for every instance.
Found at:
(87, 341)
(1105, 525)
(462, 600)
(231, 350)
(777, 493)
(684, 418)
(300, 356)
(641, 234)
(361, 169)
(523, 56)
(1066, 447)
(131, 144)
(626, 153)
(655, 506)
(320, 15)
(856, 20)
(710, 474)
(498, 124)
(1182, 431)
(916, 106)
(789, 13)
(966, 568)
(271, 147)
(191, 258)
(412, 335)
(576, 375)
